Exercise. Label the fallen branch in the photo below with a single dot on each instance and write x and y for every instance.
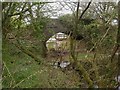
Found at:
(19, 46)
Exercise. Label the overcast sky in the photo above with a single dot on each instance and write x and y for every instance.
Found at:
(57, 9)
(62, 8)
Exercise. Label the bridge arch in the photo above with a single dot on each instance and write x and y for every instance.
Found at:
(59, 40)
(54, 26)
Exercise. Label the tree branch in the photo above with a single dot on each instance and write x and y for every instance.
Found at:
(85, 10)
(19, 13)
(20, 47)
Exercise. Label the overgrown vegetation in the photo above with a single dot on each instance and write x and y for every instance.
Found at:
(24, 42)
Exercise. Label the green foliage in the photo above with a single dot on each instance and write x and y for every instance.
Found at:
(38, 27)
(92, 31)
(67, 20)
(20, 70)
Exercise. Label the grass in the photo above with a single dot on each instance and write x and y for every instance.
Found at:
(22, 71)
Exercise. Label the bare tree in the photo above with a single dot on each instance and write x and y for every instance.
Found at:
(73, 45)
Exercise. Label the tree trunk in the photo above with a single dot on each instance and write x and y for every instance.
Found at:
(77, 64)
(118, 38)
(43, 49)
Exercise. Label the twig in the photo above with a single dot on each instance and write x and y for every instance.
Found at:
(114, 51)
(100, 40)
(85, 10)
(9, 73)
(25, 79)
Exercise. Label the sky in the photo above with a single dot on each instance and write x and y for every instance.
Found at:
(62, 8)
(57, 9)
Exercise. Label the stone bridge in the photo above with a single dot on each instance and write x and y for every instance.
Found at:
(55, 26)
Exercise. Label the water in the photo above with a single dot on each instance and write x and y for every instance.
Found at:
(63, 64)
